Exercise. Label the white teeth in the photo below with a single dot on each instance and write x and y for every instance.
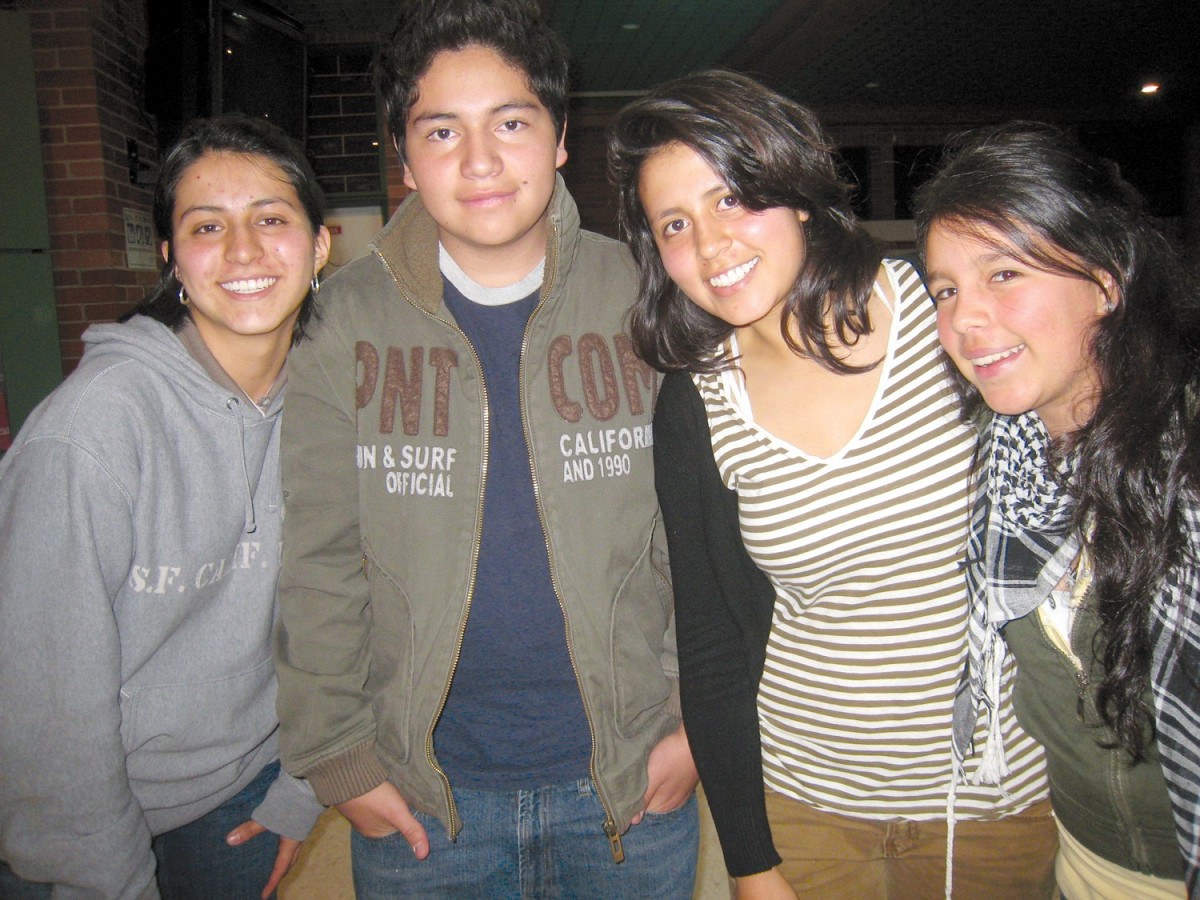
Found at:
(734, 275)
(248, 285)
(996, 357)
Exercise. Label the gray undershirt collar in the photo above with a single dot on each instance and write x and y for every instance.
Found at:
(489, 296)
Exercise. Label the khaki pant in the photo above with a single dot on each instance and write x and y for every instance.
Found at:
(830, 856)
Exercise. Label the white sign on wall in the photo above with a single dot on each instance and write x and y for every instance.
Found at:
(139, 240)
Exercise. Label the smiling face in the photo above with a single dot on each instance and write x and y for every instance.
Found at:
(482, 151)
(735, 263)
(1019, 334)
(244, 251)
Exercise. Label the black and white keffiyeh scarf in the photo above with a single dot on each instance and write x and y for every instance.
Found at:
(1021, 543)
(1175, 687)
(1019, 547)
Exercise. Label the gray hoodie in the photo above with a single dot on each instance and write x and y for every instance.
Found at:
(140, 520)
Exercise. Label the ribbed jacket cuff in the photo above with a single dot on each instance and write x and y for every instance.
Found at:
(347, 775)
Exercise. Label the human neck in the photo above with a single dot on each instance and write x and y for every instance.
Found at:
(499, 265)
(252, 361)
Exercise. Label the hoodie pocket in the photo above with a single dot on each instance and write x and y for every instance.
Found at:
(174, 730)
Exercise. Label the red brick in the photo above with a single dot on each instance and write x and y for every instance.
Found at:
(68, 115)
(44, 59)
(87, 296)
(52, 136)
(99, 240)
(107, 312)
(76, 187)
(82, 223)
(60, 242)
(85, 259)
(81, 134)
(89, 205)
(47, 96)
(80, 96)
(72, 18)
(61, 152)
(67, 79)
(87, 168)
(64, 39)
(68, 312)
(69, 332)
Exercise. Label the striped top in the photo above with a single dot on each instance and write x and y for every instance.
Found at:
(864, 549)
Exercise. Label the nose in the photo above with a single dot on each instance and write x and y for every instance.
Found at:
(710, 236)
(479, 158)
(968, 310)
(244, 245)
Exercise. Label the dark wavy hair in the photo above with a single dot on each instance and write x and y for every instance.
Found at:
(512, 28)
(1059, 208)
(771, 152)
(230, 133)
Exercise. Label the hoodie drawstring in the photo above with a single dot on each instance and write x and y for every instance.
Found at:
(234, 406)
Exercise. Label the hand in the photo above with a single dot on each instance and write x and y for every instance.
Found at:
(286, 855)
(382, 811)
(671, 775)
(768, 885)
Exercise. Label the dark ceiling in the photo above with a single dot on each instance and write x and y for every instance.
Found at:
(1065, 59)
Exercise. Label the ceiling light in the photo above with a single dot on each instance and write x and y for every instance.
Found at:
(1150, 88)
(631, 26)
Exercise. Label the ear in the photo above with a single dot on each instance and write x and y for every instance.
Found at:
(408, 179)
(321, 249)
(165, 249)
(1108, 294)
(560, 155)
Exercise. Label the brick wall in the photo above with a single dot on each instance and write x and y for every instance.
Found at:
(347, 134)
(88, 73)
(343, 132)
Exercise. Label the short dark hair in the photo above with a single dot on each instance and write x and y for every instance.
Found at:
(229, 133)
(1046, 200)
(771, 152)
(514, 29)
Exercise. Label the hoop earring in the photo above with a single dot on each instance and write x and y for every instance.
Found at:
(183, 297)
(316, 286)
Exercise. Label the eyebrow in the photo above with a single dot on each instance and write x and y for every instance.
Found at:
(256, 204)
(986, 259)
(675, 210)
(511, 106)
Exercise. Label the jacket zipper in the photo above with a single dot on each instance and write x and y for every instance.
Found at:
(1115, 781)
(455, 824)
(610, 822)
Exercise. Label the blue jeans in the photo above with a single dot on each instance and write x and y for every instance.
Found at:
(544, 843)
(194, 862)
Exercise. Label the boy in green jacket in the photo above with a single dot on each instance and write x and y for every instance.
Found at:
(476, 653)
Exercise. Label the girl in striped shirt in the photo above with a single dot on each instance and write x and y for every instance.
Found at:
(815, 482)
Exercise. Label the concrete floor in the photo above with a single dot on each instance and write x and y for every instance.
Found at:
(323, 870)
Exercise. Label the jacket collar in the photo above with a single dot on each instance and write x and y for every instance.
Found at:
(408, 246)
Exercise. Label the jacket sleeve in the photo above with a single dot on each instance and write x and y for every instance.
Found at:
(723, 607)
(67, 813)
(321, 652)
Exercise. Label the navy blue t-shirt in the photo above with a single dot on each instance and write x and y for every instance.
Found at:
(514, 718)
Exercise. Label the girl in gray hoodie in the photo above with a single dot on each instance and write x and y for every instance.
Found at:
(140, 519)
